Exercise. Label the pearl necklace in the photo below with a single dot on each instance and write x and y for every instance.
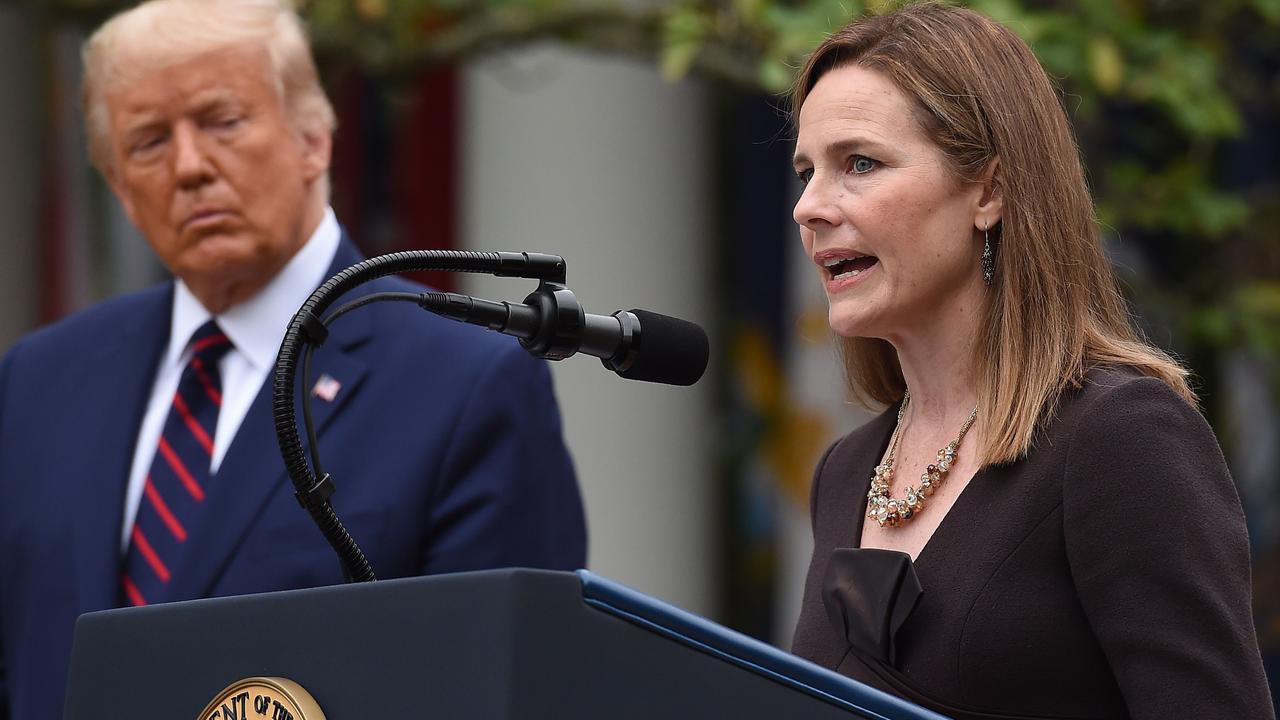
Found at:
(894, 511)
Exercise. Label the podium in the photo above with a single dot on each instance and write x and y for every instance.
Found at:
(514, 643)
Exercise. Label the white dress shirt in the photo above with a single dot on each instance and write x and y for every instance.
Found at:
(255, 327)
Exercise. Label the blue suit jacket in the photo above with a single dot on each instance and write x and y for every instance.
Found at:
(444, 441)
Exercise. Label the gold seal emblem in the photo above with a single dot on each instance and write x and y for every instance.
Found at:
(270, 698)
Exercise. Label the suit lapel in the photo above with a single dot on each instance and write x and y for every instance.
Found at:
(252, 471)
(124, 368)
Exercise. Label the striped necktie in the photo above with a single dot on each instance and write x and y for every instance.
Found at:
(174, 489)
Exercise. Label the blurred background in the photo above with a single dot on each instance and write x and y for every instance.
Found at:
(647, 143)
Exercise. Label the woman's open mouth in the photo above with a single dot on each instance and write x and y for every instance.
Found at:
(846, 268)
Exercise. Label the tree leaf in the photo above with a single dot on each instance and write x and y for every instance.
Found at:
(1106, 66)
(1268, 9)
(684, 32)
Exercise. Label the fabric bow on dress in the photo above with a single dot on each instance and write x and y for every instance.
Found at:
(868, 595)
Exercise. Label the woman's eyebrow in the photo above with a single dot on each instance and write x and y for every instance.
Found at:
(840, 148)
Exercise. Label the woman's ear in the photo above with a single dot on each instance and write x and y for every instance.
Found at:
(989, 207)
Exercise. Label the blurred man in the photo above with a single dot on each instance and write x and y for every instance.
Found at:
(138, 462)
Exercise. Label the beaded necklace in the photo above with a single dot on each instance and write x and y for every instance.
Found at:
(894, 511)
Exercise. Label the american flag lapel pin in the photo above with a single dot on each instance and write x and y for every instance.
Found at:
(326, 388)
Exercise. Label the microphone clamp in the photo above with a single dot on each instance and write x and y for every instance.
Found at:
(561, 321)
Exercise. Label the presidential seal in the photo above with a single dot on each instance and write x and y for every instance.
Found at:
(268, 698)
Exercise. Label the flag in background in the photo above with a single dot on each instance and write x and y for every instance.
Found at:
(395, 171)
(65, 282)
(89, 250)
(756, 315)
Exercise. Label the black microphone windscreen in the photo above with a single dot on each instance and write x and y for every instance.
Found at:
(670, 350)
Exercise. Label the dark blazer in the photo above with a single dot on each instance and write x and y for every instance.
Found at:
(444, 441)
(1106, 575)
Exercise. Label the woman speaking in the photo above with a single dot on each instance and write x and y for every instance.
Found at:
(1041, 524)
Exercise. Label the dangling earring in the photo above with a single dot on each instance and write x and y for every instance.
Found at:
(988, 257)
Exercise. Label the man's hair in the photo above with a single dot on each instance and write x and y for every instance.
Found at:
(160, 33)
(1055, 308)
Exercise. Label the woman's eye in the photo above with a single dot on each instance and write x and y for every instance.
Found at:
(805, 175)
(862, 165)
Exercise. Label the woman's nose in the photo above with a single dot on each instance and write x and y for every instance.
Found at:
(816, 207)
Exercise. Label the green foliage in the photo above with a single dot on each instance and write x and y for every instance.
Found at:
(1156, 91)
(1178, 198)
(1268, 9)
(686, 32)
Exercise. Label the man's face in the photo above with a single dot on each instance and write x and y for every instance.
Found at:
(210, 169)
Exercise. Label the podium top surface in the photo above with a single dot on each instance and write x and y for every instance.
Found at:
(743, 650)
(514, 643)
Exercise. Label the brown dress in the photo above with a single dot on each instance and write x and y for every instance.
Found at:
(1105, 575)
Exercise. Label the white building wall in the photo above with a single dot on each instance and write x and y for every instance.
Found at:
(601, 161)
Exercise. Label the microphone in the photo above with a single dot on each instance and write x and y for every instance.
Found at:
(635, 344)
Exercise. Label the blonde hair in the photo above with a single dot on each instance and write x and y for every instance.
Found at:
(161, 33)
(1055, 306)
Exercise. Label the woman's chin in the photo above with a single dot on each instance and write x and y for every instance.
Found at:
(849, 327)
(849, 319)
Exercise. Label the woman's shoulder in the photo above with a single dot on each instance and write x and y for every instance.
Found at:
(1112, 392)
(1120, 419)
(1123, 420)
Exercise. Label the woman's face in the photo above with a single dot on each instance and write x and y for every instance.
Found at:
(891, 231)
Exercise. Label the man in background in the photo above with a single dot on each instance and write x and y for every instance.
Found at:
(138, 461)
